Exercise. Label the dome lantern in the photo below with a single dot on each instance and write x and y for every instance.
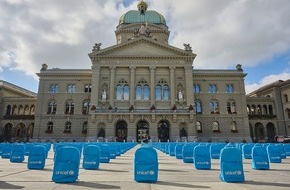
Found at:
(142, 6)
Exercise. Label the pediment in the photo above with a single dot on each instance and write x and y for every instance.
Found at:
(142, 48)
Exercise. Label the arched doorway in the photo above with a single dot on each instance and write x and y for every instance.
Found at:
(30, 131)
(270, 132)
(163, 131)
(183, 134)
(142, 132)
(21, 134)
(251, 132)
(121, 131)
(7, 132)
(259, 132)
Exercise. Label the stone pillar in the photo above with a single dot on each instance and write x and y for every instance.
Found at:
(112, 85)
(132, 84)
(189, 85)
(152, 84)
(95, 85)
(172, 85)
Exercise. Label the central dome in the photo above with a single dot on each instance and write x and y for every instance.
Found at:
(142, 15)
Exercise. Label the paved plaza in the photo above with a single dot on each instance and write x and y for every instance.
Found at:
(118, 174)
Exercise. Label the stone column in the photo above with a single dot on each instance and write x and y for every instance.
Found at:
(95, 85)
(132, 84)
(152, 84)
(172, 86)
(112, 85)
(189, 85)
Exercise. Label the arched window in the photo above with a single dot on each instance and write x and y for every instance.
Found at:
(49, 128)
(32, 109)
(198, 106)
(69, 107)
(162, 90)
(229, 88)
(270, 110)
(52, 105)
(234, 126)
(67, 127)
(196, 88)
(85, 127)
(14, 110)
(198, 127)
(285, 97)
(231, 107)
(158, 92)
(53, 88)
(253, 110)
(215, 127)
(212, 88)
(8, 110)
(265, 110)
(288, 112)
(26, 110)
(88, 88)
(86, 106)
(71, 88)
(248, 109)
(259, 109)
(122, 90)
(214, 106)
(142, 91)
(21, 110)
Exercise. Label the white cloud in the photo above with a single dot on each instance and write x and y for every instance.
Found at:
(267, 80)
(62, 33)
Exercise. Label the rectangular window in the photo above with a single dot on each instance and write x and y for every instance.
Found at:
(71, 88)
(53, 88)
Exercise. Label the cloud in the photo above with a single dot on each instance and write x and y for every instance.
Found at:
(267, 80)
(61, 33)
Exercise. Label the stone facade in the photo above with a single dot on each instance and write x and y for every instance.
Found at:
(141, 89)
(17, 110)
(269, 111)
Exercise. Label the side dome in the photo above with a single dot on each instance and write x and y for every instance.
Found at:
(134, 16)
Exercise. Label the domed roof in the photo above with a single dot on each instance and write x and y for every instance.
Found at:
(142, 16)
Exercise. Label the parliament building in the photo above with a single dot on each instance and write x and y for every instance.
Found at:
(140, 89)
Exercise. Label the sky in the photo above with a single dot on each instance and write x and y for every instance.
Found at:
(223, 33)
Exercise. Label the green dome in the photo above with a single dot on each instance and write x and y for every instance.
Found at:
(134, 16)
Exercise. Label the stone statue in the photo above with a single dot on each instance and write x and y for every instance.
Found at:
(180, 95)
(97, 47)
(104, 95)
(187, 47)
(144, 30)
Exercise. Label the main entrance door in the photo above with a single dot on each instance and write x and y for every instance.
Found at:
(121, 131)
(142, 131)
(163, 131)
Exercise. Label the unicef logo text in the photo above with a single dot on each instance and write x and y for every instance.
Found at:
(203, 163)
(237, 172)
(35, 162)
(262, 163)
(150, 172)
(91, 163)
(71, 172)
